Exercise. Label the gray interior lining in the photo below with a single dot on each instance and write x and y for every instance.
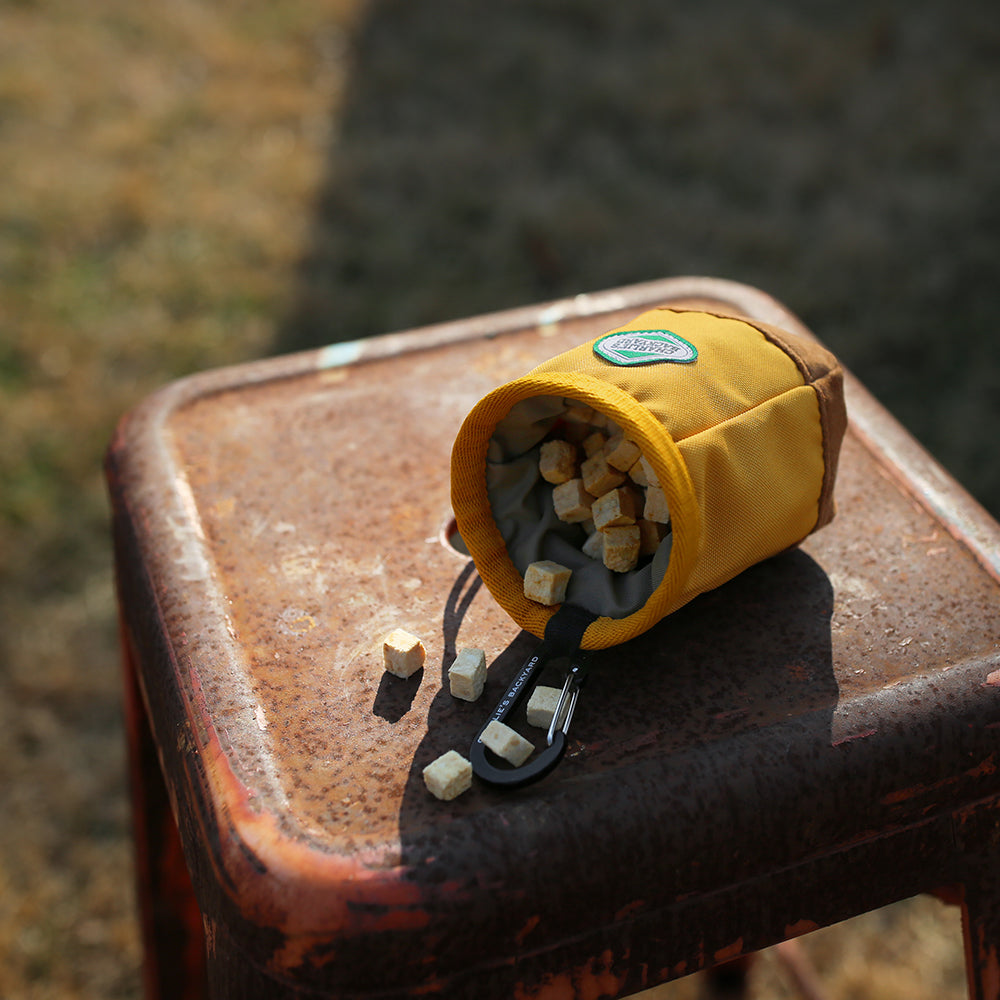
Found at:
(521, 502)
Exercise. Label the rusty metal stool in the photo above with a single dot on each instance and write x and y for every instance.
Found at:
(815, 739)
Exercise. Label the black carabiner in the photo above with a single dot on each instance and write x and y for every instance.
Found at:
(540, 763)
(562, 638)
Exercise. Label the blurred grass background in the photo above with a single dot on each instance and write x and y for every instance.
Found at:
(196, 183)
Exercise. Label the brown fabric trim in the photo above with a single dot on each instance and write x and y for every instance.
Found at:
(813, 360)
(820, 369)
(833, 419)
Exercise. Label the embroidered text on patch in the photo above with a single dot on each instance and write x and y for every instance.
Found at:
(643, 347)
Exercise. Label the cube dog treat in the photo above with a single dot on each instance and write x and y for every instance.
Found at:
(621, 548)
(651, 533)
(594, 443)
(579, 413)
(642, 473)
(638, 474)
(656, 508)
(448, 776)
(621, 453)
(545, 582)
(506, 743)
(614, 508)
(467, 675)
(572, 501)
(557, 461)
(603, 422)
(598, 476)
(542, 706)
(402, 653)
(593, 547)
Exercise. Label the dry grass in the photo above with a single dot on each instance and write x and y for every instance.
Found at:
(197, 183)
(909, 950)
(159, 163)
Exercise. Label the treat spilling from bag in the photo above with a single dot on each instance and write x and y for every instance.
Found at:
(653, 463)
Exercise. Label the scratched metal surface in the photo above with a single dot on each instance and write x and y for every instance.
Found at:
(291, 513)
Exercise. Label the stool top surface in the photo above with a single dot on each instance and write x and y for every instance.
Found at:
(290, 513)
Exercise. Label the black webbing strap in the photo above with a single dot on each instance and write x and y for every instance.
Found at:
(564, 631)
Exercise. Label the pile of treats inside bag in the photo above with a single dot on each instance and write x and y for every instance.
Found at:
(601, 481)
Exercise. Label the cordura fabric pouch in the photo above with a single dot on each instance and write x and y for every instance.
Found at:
(740, 422)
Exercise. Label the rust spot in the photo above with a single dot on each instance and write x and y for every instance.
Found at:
(590, 982)
(434, 986)
(527, 929)
(854, 736)
(902, 794)
(295, 621)
(982, 769)
(210, 934)
(988, 766)
(554, 988)
(735, 713)
(595, 983)
(644, 740)
(630, 908)
(800, 927)
(799, 671)
(224, 507)
(730, 951)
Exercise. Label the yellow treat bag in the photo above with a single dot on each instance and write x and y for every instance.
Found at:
(739, 421)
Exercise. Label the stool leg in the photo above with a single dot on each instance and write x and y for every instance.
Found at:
(981, 927)
(170, 922)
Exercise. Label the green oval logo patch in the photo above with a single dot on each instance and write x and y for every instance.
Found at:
(644, 347)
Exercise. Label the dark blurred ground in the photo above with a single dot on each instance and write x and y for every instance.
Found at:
(196, 184)
(841, 156)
